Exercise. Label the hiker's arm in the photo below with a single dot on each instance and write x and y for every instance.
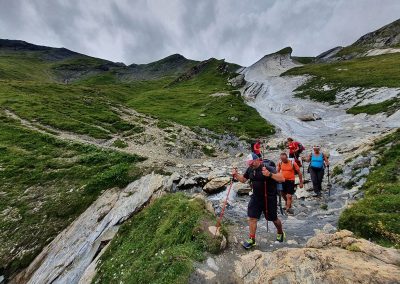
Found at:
(297, 169)
(238, 176)
(326, 161)
(307, 158)
(277, 177)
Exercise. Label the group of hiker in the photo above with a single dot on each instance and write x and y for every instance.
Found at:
(270, 182)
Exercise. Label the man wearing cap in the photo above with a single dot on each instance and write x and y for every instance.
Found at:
(318, 161)
(264, 198)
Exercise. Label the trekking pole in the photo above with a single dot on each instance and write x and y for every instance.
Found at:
(280, 198)
(223, 208)
(329, 183)
(266, 205)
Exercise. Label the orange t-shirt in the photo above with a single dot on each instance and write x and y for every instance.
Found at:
(287, 169)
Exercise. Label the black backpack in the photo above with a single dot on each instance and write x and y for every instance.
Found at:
(270, 165)
(252, 146)
(301, 148)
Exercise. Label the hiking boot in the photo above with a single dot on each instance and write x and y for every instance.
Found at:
(248, 244)
(281, 237)
(289, 211)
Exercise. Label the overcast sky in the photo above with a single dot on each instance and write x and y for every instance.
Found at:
(240, 31)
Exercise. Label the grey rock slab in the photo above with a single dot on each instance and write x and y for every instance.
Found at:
(67, 257)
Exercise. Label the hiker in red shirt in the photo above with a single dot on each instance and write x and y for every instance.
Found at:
(257, 148)
(295, 148)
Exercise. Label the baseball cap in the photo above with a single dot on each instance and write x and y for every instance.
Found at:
(250, 158)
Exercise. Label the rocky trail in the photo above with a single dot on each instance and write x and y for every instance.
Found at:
(312, 240)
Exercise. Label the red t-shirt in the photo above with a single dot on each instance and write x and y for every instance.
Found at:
(257, 148)
(293, 146)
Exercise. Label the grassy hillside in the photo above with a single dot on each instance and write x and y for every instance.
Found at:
(377, 215)
(367, 72)
(30, 86)
(389, 106)
(45, 184)
(189, 103)
(159, 244)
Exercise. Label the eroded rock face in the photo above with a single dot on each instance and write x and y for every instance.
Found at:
(328, 258)
(67, 257)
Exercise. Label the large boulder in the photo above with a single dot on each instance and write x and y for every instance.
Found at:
(309, 117)
(328, 258)
(216, 173)
(187, 182)
(241, 188)
(216, 184)
(70, 256)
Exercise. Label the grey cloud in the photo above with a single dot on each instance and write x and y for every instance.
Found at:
(239, 31)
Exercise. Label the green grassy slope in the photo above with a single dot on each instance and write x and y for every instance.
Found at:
(159, 244)
(388, 106)
(45, 184)
(377, 215)
(367, 72)
(30, 87)
(185, 101)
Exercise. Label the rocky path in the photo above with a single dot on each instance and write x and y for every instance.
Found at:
(313, 216)
(170, 147)
(341, 135)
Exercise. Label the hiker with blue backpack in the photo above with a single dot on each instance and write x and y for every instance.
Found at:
(318, 161)
(264, 179)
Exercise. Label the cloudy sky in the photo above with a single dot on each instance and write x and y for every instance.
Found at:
(146, 30)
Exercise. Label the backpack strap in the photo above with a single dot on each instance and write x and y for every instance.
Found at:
(294, 168)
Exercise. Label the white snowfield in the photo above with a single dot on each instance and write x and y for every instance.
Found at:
(272, 96)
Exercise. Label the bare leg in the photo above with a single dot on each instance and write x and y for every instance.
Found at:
(252, 226)
(278, 225)
(284, 196)
(288, 201)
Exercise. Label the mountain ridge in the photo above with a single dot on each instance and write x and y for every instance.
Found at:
(383, 40)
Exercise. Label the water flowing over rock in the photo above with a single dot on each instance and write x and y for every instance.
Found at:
(67, 257)
(328, 258)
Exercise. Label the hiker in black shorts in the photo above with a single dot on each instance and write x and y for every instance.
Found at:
(264, 183)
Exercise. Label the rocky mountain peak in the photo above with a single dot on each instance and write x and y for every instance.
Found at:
(387, 36)
(272, 64)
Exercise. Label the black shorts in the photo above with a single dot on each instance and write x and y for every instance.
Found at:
(295, 155)
(288, 187)
(257, 206)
